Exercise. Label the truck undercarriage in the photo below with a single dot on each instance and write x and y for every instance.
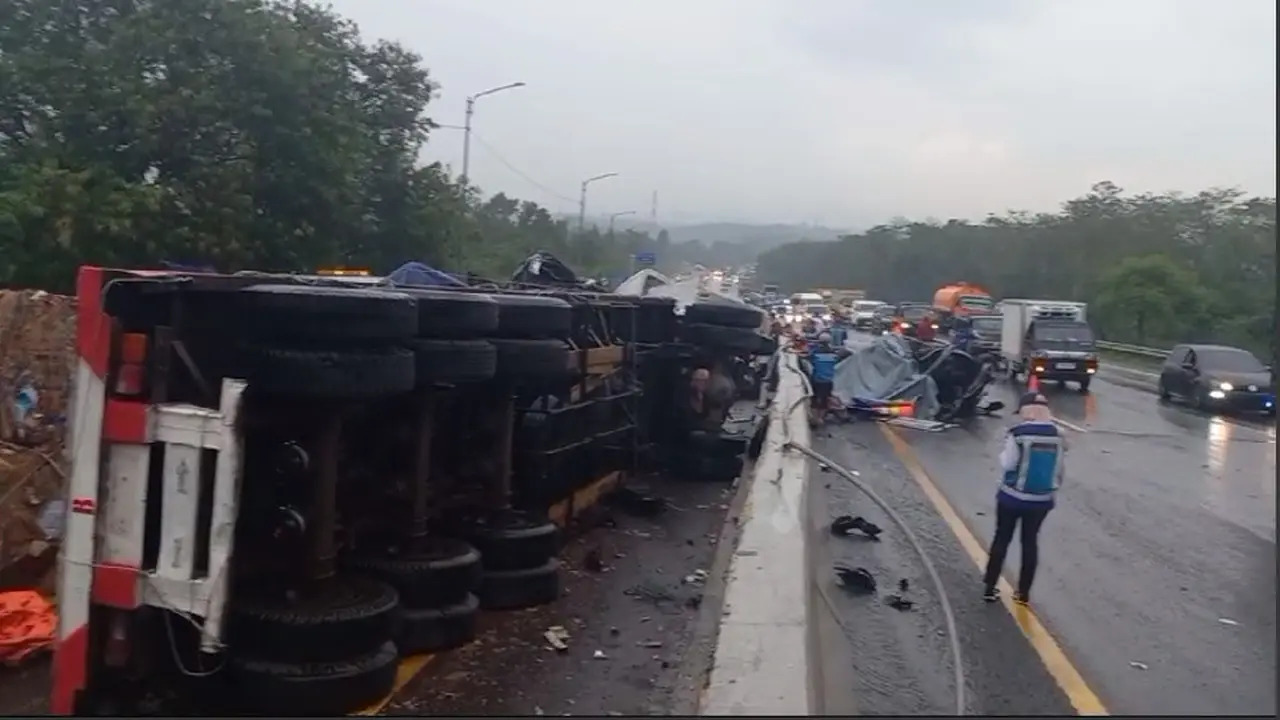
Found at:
(283, 486)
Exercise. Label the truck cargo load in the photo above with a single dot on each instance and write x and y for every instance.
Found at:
(961, 298)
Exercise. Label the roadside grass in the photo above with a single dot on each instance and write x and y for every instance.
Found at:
(1136, 362)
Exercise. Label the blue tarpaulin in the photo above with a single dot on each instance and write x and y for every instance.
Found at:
(419, 274)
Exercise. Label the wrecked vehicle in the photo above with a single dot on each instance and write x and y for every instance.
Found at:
(284, 487)
(945, 384)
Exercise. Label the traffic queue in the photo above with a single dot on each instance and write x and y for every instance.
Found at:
(1021, 338)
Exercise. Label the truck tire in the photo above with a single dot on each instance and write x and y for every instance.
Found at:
(533, 317)
(329, 688)
(453, 361)
(518, 589)
(721, 337)
(451, 314)
(354, 374)
(531, 359)
(443, 572)
(726, 314)
(513, 539)
(345, 617)
(429, 630)
(311, 312)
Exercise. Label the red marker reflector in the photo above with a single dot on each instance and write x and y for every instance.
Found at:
(133, 348)
(129, 379)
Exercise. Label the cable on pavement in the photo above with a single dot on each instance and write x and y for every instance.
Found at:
(947, 613)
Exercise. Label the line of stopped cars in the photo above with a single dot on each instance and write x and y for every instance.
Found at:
(1053, 341)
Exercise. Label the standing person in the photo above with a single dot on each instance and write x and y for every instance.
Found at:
(1032, 460)
(822, 360)
(839, 331)
(926, 327)
(962, 333)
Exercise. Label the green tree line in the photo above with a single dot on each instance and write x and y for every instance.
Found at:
(1157, 269)
(241, 134)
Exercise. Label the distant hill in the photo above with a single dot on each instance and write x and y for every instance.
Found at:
(770, 235)
(718, 244)
(713, 232)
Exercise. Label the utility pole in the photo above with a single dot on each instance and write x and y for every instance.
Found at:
(582, 200)
(653, 211)
(614, 216)
(466, 126)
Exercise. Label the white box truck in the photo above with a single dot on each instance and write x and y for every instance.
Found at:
(1050, 339)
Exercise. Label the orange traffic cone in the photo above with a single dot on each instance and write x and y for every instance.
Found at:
(1033, 383)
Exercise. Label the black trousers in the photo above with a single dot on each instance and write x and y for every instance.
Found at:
(1007, 519)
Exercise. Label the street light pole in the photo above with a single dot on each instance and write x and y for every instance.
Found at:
(466, 125)
(612, 216)
(582, 199)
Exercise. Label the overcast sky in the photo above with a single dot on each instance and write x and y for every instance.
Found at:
(846, 112)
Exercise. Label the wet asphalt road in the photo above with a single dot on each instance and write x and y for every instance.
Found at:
(1158, 565)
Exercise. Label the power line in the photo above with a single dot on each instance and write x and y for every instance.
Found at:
(517, 171)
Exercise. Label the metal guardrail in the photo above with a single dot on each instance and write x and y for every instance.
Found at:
(1128, 349)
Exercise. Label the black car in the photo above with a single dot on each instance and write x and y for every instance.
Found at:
(906, 315)
(1216, 377)
(882, 319)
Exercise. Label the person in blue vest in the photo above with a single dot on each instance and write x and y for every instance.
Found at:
(839, 330)
(822, 361)
(1033, 463)
(962, 333)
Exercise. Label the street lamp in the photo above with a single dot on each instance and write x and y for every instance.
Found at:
(582, 199)
(466, 125)
(612, 216)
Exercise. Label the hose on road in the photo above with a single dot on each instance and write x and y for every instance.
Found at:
(947, 613)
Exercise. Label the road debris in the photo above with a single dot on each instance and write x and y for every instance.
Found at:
(638, 502)
(557, 638)
(697, 577)
(592, 562)
(1227, 621)
(857, 580)
(1137, 665)
(599, 655)
(897, 602)
(845, 524)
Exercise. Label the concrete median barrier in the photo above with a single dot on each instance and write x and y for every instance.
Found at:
(762, 661)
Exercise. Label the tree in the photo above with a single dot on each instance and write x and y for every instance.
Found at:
(1150, 293)
(243, 132)
(240, 133)
(1214, 262)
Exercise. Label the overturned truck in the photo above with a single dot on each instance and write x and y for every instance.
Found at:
(282, 486)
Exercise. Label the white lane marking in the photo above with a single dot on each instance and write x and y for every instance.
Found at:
(1070, 426)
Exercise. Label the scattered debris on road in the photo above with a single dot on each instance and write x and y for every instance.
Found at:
(858, 580)
(697, 577)
(557, 637)
(897, 602)
(1227, 621)
(845, 525)
(1137, 665)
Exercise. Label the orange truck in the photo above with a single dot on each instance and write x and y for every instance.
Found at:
(961, 298)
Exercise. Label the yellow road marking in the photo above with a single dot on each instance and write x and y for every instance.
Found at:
(407, 671)
(1082, 697)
